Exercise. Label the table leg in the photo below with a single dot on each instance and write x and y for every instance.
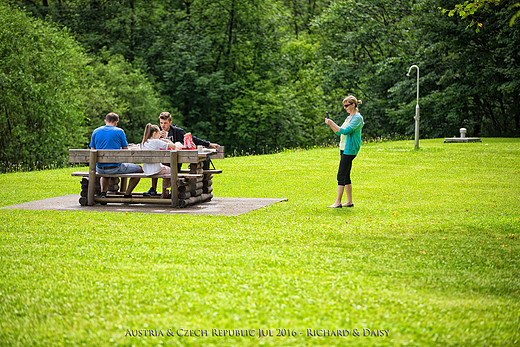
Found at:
(174, 185)
(91, 177)
(122, 187)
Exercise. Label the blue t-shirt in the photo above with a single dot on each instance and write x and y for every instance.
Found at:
(108, 137)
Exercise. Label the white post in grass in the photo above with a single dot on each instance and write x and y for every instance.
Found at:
(416, 107)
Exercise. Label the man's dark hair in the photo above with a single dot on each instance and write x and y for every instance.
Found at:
(112, 118)
(166, 116)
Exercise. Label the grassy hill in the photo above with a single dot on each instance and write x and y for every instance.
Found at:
(428, 256)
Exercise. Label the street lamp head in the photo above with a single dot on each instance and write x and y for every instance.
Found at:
(410, 70)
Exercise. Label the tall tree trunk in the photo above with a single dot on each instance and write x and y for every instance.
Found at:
(187, 4)
(132, 39)
(514, 110)
(231, 24)
(295, 15)
(503, 115)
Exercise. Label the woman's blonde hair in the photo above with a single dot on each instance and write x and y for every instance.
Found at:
(351, 99)
(149, 130)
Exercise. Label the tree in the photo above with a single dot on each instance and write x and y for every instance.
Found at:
(41, 69)
(363, 47)
(468, 79)
(259, 74)
(114, 85)
(469, 8)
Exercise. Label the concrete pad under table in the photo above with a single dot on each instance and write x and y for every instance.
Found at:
(217, 206)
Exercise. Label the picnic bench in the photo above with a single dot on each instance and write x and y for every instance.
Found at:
(192, 186)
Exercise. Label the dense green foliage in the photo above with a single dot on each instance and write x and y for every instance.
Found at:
(430, 252)
(470, 7)
(54, 94)
(40, 69)
(117, 86)
(255, 75)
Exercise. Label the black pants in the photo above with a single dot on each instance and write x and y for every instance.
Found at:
(207, 161)
(345, 165)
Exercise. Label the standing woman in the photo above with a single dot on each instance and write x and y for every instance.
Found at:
(350, 142)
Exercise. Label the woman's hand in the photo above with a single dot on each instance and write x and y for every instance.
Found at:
(331, 124)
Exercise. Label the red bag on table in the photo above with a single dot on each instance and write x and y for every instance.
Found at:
(188, 141)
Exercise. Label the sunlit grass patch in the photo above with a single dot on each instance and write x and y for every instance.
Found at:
(430, 252)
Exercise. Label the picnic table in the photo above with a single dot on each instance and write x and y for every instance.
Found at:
(192, 186)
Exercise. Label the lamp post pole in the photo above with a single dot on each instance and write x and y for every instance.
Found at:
(416, 107)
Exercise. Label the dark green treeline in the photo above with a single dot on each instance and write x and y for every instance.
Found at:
(252, 75)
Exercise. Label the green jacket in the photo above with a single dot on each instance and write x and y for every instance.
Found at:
(353, 132)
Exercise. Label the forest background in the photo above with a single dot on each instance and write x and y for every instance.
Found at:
(253, 75)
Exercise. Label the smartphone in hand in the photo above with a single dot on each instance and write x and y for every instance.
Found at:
(327, 115)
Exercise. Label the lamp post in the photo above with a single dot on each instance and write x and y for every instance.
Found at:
(416, 107)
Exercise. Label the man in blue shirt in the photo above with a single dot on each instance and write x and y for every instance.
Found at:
(110, 136)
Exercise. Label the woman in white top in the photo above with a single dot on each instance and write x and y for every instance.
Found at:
(152, 140)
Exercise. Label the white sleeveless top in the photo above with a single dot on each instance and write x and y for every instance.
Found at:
(343, 138)
(152, 169)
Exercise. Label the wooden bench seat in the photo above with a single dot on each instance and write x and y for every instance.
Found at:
(137, 175)
(205, 172)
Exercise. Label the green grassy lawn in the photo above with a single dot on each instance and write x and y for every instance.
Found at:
(430, 253)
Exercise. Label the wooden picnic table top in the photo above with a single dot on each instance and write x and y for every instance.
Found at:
(138, 155)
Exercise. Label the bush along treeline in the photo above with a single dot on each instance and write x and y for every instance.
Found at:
(250, 74)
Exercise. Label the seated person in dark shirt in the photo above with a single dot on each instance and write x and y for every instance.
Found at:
(176, 134)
